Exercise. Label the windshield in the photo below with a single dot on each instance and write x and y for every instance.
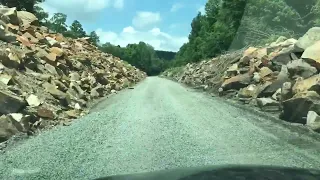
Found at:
(95, 88)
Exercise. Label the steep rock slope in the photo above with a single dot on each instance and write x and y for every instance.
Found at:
(47, 79)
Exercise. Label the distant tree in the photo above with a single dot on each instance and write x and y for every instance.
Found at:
(58, 23)
(41, 15)
(94, 38)
(28, 5)
(76, 30)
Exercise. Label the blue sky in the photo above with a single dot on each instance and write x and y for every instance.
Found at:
(165, 24)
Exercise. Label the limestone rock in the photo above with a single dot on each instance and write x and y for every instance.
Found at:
(308, 39)
(52, 42)
(248, 92)
(7, 128)
(58, 51)
(5, 78)
(306, 85)
(51, 57)
(313, 121)
(296, 109)
(27, 18)
(33, 100)
(236, 82)
(286, 91)
(20, 121)
(9, 15)
(51, 69)
(6, 36)
(265, 71)
(10, 103)
(247, 55)
(73, 113)
(268, 104)
(45, 113)
(74, 76)
(301, 68)
(54, 91)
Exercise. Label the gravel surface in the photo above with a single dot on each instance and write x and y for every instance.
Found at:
(158, 125)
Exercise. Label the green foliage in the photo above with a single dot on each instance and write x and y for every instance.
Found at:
(41, 15)
(166, 55)
(28, 5)
(142, 56)
(94, 38)
(76, 30)
(58, 23)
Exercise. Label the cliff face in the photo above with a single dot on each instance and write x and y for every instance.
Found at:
(47, 79)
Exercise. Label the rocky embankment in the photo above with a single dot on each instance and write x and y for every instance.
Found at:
(47, 79)
(281, 77)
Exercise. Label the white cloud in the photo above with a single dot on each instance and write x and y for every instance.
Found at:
(145, 19)
(155, 37)
(129, 29)
(202, 10)
(80, 9)
(118, 4)
(175, 7)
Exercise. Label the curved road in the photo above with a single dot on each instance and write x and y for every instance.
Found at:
(158, 125)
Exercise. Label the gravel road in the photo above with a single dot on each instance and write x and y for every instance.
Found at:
(158, 125)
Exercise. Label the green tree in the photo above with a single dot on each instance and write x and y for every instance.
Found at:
(58, 23)
(76, 30)
(94, 38)
(41, 15)
(28, 5)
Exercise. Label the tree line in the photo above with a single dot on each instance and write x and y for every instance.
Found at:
(141, 55)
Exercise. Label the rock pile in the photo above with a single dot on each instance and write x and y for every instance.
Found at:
(282, 77)
(47, 79)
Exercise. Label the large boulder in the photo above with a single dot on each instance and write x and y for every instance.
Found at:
(248, 92)
(10, 103)
(268, 104)
(7, 128)
(5, 35)
(9, 15)
(300, 68)
(296, 109)
(303, 85)
(20, 121)
(308, 39)
(313, 121)
(282, 77)
(248, 55)
(265, 71)
(236, 82)
(27, 18)
(54, 91)
(312, 54)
